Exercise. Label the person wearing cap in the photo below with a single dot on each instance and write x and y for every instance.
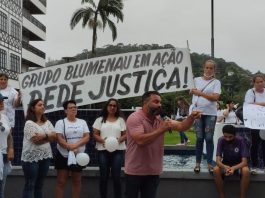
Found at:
(13, 98)
(231, 158)
(6, 147)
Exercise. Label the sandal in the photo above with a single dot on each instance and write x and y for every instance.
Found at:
(197, 169)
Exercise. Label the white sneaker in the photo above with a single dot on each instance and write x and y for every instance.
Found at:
(253, 171)
(180, 144)
(188, 141)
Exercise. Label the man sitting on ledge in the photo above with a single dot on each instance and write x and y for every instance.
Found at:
(231, 158)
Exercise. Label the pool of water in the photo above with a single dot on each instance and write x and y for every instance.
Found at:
(181, 162)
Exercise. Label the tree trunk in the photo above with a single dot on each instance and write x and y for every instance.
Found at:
(94, 38)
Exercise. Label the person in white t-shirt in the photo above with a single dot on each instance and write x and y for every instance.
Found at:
(220, 116)
(13, 101)
(205, 96)
(229, 113)
(110, 124)
(256, 95)
(72, 135)
(6, 147)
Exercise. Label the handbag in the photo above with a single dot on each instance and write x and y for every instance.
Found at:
(239, 113)
(239, 110)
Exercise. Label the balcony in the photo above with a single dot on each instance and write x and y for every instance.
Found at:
(11, 74)
(32, 56)
(35, 6)
(33, 28)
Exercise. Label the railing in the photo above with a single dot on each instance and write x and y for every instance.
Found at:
(11, 74)
(32, 49)
(27, 15)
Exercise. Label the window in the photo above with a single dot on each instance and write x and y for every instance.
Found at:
(14, 62)
(2, 58)
(3, 21)
(18, 2)
(15, 29)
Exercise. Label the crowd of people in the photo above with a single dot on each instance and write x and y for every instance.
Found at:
(140, 139)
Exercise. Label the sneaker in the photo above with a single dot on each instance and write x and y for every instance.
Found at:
(181, 144)
(188, 141)
(253, 171)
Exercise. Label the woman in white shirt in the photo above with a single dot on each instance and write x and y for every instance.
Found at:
(229, 113)
(72, 135)
(110, 124)
(36, 150)
(6, 147)
(256, 95)
(205, 96)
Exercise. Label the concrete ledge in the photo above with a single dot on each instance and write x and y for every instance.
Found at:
(181, 183)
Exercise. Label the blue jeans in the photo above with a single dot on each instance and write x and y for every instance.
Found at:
(34, 173)
(204, 128)
(3, 182)
(183, 137)
(110, 162)
(146, 185)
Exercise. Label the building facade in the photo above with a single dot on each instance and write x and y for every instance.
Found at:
(18, 28)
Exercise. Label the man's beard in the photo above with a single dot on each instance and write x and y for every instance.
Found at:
(155, 111)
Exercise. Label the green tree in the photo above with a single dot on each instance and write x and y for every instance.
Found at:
(90, 16)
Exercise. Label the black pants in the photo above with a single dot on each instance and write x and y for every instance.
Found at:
(254, 151)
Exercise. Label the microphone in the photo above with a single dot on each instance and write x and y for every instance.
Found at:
(164, 117)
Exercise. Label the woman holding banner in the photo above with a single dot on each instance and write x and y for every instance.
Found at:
(256, 95)
(205, 96)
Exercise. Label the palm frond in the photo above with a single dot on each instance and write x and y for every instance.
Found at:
(86, 17)
(103, 3)
(103, 17)
(116, 3)
(113, 29)
(91, 2)
(115, 12)
(84, 13)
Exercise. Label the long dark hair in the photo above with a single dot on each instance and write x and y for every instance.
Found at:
(104, 112)
(31, 113)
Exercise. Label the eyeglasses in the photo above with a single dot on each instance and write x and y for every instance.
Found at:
(112, 105)
(2, 128)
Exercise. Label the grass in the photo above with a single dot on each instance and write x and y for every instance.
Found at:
(174, 137)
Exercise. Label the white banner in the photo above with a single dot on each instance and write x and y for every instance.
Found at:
(116, 76)
(254, 116)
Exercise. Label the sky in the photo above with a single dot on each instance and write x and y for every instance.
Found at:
(239, 28)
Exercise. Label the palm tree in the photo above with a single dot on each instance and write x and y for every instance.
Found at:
(104, 9)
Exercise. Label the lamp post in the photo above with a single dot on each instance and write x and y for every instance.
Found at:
(212, 28)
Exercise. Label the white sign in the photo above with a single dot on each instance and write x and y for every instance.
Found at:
(254, 116)
(116, 76)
